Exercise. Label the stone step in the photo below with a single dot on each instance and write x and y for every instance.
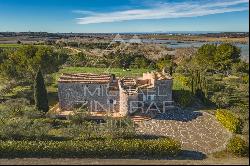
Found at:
(138, 119)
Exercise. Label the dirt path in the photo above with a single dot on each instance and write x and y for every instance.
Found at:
(46, 161)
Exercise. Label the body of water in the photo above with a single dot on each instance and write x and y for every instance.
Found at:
(185, 44)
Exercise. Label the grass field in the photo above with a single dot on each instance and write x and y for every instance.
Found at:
(10, 45)
(16, 45)
(117, 71)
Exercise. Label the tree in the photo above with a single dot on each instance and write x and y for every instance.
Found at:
(3, 56)
(141, 62)
(40, 93)
(226, 54)
(205, 56)
(166, 64)
(78, 60)
(240, 67)
(21, 64)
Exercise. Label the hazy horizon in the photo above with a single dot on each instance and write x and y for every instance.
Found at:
(124, 16)
(156, 32)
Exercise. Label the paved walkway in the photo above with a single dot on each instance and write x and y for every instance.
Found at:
(197, 131)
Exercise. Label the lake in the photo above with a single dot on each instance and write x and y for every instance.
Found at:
(186, 44)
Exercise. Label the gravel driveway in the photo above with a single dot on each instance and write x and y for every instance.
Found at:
(197, 131)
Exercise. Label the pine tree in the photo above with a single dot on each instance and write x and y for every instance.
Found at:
(40, 93)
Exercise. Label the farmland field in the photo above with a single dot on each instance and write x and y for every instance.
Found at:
(10, 45)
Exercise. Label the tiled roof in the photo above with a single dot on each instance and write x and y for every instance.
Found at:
(87, 78)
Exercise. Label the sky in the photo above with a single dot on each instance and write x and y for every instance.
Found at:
(114, 16)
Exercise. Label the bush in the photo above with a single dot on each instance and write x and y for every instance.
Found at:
(238, 147)
(18, 108)
(245, 79)
(181, 82)
(120, 148)
(229, 120)
(78, 118)
(22, 128)
(183, 97)
(181, 92)
(221, 100)
(55, 123)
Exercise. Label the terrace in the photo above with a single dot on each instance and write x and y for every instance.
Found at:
(85, 78)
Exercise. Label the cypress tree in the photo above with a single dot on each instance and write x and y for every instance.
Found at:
(40, 93)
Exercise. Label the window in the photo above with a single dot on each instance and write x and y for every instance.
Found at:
(111, 101)
(149, 98)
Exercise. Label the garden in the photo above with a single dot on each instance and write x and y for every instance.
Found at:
(213, 79)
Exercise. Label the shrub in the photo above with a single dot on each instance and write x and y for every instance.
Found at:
(183, 97)
(18, 108)
(54, 122)
(78, 118)
(245, 79)
(14, 107)
(119, 148)
(220, 99)
(22, 128)
(118, 128)
(181, 82)
(229, 120)
(238, 147)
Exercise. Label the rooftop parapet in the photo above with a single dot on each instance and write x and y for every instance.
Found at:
(87, 78)
(156, 76)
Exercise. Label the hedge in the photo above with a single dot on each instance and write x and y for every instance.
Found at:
(120, 148)
(238, 146)
(229, 120)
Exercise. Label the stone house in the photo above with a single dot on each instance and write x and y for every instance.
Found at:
(106, 93)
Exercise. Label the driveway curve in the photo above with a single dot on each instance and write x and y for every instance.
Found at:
(197, 131)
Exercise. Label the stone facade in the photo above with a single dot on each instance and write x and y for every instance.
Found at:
(105, 93)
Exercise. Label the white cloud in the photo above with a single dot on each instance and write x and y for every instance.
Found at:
(167, 10)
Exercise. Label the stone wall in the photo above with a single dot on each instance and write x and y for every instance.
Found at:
(101, 97)
(96, 96)
(163, 90)
(132, 103)
(162, 93)
(123, 105)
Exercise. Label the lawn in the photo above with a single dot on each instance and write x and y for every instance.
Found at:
(10, 45)
(16, 45)
(117, 71)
